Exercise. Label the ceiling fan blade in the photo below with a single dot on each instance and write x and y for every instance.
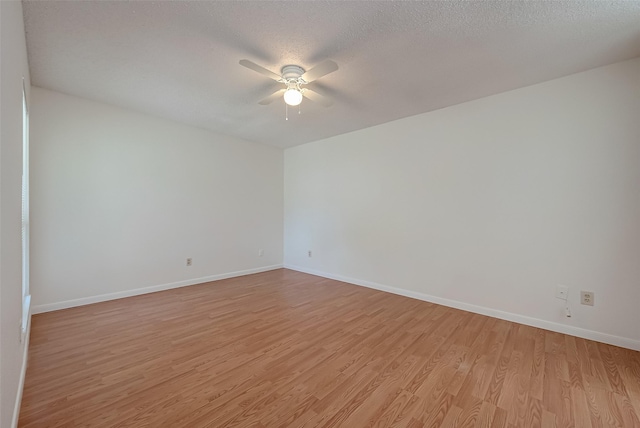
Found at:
(316, 97)
(320, 70)
(271, 98)
(255, 67)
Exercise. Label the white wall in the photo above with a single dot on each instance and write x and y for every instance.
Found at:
(119, 200)
(487, 205)
(13, 68)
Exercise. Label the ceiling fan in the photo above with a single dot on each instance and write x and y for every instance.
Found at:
(295, 78)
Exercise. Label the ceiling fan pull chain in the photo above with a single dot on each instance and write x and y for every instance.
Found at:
(299, 108)
(286, 111)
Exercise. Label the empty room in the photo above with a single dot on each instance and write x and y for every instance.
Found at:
(320, 214)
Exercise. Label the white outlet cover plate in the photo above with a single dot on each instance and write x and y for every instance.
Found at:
(587, 298)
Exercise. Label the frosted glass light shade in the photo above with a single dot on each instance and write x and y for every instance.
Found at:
(293, 97)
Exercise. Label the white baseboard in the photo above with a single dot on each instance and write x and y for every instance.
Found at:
(23, 372)
(623, 342)
(48, 307)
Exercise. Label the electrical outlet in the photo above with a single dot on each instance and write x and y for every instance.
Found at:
(562, 292)
(309, 253)
(189, 261)
(587, 298)
(260, 253)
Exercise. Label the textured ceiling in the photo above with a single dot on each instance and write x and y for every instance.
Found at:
(179, 59)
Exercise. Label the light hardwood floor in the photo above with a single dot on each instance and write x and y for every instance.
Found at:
(283, 348)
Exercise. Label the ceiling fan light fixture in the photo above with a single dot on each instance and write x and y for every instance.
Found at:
(294, 78)
(292, 97)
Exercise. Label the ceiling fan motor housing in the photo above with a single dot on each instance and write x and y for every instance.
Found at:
(292, 72)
